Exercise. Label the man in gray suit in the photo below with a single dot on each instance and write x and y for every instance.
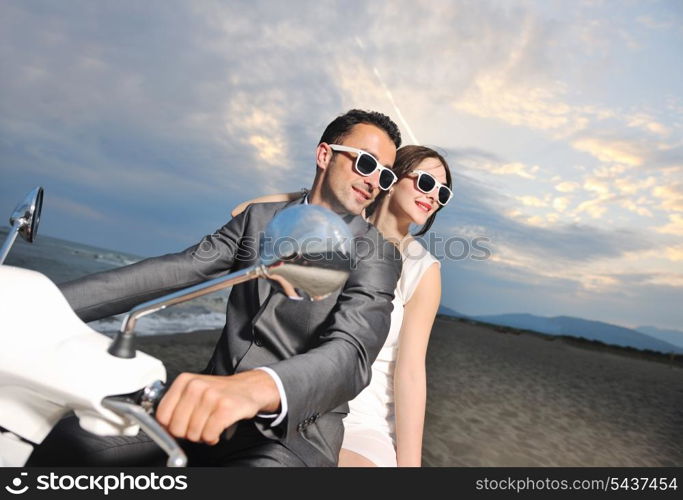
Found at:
(283, 369)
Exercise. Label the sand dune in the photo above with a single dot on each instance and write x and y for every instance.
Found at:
(521, 399)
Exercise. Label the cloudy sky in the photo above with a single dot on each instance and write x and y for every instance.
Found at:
(562, 122)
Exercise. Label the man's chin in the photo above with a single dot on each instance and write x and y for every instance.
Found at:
(354, 207)
(359, 207)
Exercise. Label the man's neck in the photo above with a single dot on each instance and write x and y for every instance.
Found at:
(315, 197)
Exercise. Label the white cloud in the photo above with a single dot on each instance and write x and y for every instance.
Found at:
(593, 184)
(536, 220)
(261, 128)
(674, 280)
(628, 185)
(490, 165)
(610, 150)
(671, 196)
(516, 168)
(609, 171)
(561, 203)
(675, 225)
(536, 107)
(587, 276)
(674, 253)
(631, 206)
(648, 124)
(595, 208)
(567, 187)
(597, 282)
(532, 201)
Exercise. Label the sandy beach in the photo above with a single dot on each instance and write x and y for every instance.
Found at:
(502, 397)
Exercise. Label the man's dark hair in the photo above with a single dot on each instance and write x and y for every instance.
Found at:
(341, 126)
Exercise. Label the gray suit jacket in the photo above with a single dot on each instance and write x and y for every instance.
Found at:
(322, 351)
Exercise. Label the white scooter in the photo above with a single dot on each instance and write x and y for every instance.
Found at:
(52, 363)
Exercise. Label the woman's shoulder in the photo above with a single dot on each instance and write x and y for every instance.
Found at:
(416, 260)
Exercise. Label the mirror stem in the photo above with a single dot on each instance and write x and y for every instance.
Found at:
(9, 241)
(123, 346)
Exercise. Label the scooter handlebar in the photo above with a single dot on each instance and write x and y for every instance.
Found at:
(150, 397)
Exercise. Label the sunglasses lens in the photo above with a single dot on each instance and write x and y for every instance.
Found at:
(426, 183)
(366, 164)
(444, 195)
(386, 179)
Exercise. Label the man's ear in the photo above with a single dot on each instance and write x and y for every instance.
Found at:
(323, 155)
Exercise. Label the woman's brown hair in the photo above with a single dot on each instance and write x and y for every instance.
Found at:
(408, 158)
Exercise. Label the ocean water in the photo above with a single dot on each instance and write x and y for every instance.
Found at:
(62, 260)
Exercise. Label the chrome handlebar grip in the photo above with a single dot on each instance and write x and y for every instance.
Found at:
(176, 456)
(151, 395)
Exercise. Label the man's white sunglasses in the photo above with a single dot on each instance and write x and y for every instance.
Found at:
(366, 164)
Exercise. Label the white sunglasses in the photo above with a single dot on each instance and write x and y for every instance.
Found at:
(426, 183)
(366, 164)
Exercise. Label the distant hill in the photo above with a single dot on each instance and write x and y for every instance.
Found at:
(674, 337)
(447, 311)
(650, 338)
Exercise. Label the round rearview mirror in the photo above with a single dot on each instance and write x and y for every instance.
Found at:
(24, 221)
(26, 215)
(308, 250)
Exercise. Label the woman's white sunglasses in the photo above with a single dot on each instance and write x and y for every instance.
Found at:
(366, 164)
(427, 183)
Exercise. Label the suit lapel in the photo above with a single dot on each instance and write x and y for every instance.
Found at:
(264, 290)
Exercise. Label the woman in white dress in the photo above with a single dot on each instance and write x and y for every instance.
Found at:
(386, 420)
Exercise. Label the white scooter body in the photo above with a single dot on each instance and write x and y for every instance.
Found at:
(51, 362)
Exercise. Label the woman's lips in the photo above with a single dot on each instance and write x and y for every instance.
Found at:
(423, 206)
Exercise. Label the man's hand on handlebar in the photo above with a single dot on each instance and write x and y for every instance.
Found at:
(199, 407)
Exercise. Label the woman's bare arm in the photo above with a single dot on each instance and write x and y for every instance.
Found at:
(269, 198)
(410, 379)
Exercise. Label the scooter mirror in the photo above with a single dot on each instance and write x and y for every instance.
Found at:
(24, 220)
(27, 214)
(307, 250)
